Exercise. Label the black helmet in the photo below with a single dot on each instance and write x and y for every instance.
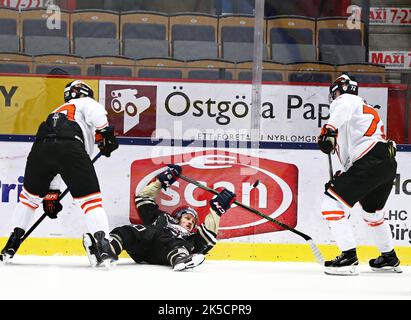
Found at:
(177, 213)
(343, 84)
(77, 89)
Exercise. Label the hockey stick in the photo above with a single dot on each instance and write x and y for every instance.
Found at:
(44, 215)
(314, 248)
(330, 167)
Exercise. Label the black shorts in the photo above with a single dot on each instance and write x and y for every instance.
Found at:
(368, 181)
(66, 157)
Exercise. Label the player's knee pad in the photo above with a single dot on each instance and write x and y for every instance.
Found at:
(374, 219)
(331, 209)
(90, 202)
(30, 200)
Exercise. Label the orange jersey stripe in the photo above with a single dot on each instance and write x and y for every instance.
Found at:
(93, 207)
(333, 212)
(334, 218)
(90, 202)
(29, 205)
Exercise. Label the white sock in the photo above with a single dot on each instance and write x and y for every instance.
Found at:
(343, 234)
(382, 237)
(96, 220)
(22, 216)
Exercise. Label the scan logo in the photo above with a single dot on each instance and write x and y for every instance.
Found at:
(132, 109)
(276, 195)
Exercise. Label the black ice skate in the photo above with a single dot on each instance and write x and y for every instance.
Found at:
(386, 262)
(99, 250)
(12, 245)
(345, 264)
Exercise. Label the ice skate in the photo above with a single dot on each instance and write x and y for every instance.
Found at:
(98, 250)
(184, 262)
(344, 265)
(386, 262)
(12, 245)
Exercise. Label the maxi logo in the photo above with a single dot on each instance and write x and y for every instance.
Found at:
(132, 109)
(275, 195)
(8, 94)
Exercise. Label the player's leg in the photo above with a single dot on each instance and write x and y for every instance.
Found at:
(177, 253)
(37, 177)
(346, 263)
(79, 174)
(380, 230)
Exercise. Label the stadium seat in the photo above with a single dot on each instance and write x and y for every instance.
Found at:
(271, 71)
(15, 63)
(210, 70)
(291, 39)
(310, 72)
(160, 68)
(337, 44)
(144, 35)
(236, 37)
(39, 38)
(9, 30)
(58, 64)
(109, 66)
(194, 36)
(95, 33)
(364, 72)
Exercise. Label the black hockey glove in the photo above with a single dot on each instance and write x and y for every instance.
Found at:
(51, 204)
(168, 177)
(327, 140)
(106, 141)
(222, 202)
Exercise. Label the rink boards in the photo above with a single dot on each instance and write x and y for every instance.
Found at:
(290, 190)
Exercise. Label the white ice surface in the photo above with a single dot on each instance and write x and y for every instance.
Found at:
(58, 277)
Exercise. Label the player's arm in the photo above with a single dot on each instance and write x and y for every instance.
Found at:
(339, 113)
(206, 238)
(146, 199)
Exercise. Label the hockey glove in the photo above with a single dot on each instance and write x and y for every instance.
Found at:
(106, 141)
(327, 140)
(168, 177)
(331, 182)
(51, 204)
(222, 202)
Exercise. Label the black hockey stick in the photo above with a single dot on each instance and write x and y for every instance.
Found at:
(44, 215)
(330, 167)
(314, 248)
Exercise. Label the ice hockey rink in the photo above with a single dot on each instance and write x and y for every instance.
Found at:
(71, 278)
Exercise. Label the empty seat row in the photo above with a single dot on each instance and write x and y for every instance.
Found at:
(204, 69)
(182, 36)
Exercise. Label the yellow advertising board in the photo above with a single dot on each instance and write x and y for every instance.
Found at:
(26, 101)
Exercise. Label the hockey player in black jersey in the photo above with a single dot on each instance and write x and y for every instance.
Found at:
(163, 238)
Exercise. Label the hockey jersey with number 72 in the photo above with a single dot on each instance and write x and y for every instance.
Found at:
(359, 127)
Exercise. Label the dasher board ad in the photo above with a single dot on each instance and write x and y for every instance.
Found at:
(221, 111)
(290, 190)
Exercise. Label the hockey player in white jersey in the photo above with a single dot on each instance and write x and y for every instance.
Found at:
(355, 133)
(62, 150)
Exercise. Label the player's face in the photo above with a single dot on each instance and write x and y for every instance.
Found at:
(187, 221)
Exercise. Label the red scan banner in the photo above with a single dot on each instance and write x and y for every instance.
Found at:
(275, 195)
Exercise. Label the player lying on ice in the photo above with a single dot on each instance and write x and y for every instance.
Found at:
(162, 238)
(356, 133)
